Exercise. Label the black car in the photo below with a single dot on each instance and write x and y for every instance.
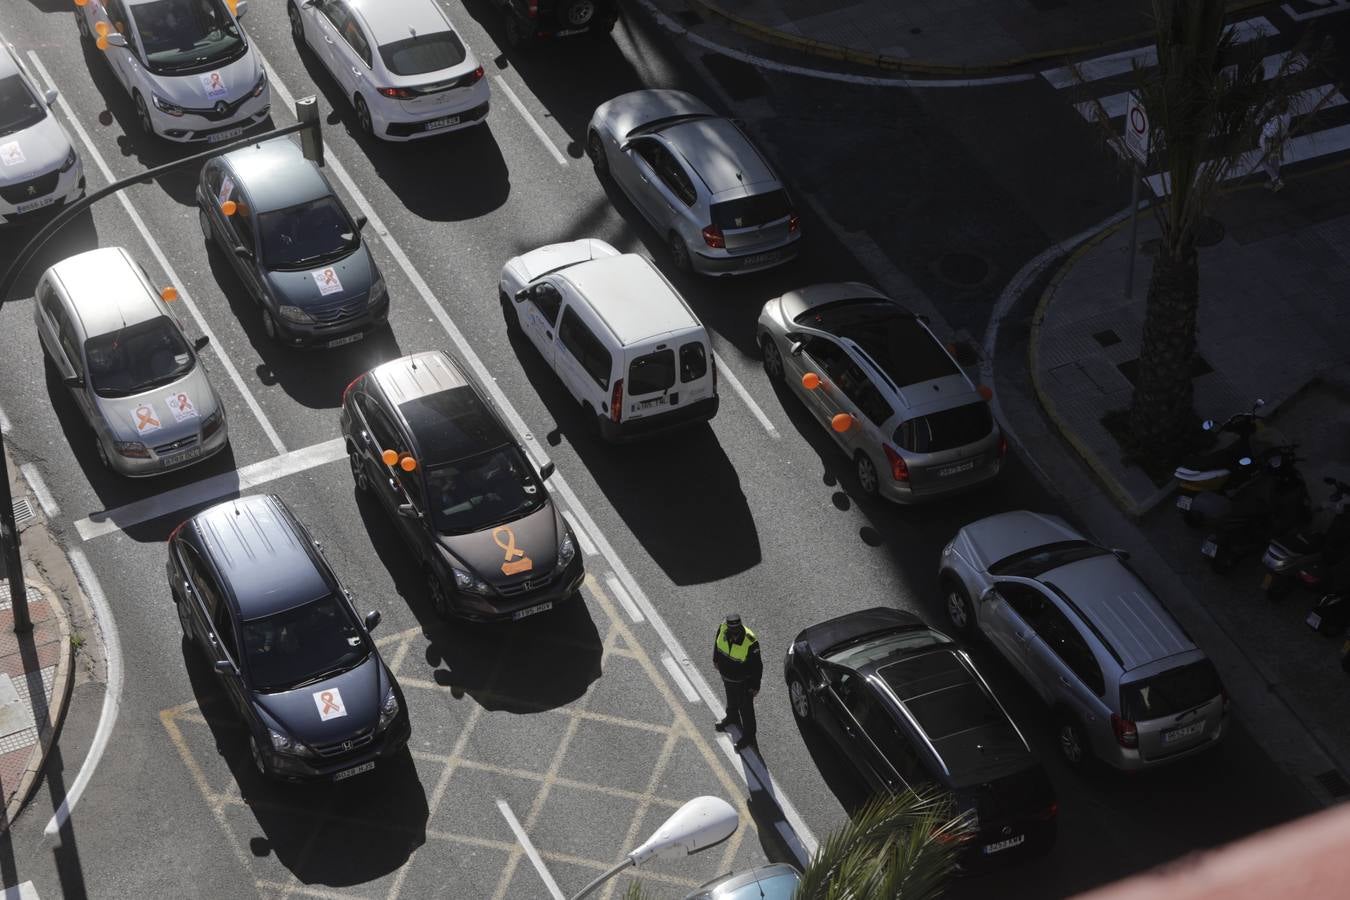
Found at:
(256, 595)
(531, 21)
(908, 708)
(462, 493)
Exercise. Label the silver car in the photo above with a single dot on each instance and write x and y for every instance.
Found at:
(1125, 682)
(879, 381)
(135, 377)
(697, 179)
(776, 881)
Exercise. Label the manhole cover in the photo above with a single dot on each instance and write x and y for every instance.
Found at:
(965, 269)
(1209, 232)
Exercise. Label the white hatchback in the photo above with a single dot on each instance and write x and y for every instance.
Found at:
(186, 64)
(39, 169)
(405, 69)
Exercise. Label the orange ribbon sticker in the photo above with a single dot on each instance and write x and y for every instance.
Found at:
(512, 565)
(144, 420)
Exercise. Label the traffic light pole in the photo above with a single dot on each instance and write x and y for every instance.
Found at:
(309, 124)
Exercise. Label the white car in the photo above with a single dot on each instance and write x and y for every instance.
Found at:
(38, 166)
(186, 64)
(405, 69)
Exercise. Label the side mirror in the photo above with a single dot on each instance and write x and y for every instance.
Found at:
(989, 595)
(115, 39)
(1258, 404)
(240, 7)
(372, 619)
(224, 667)
(244, 253)
(1207, 425)
(201, 342)
(1245, 461)
(523, 294)
(795, 348)
(50, 96)
(408, 511)
(74, 381)
(623, 148)
(546, 470)
(361, 222)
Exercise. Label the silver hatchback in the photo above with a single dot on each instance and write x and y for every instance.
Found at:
(697, 179)
(884, 387)
(1125, 682)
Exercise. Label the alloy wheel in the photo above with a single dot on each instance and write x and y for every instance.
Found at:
(679, 253)
(595, 149)
(254, 752)
(358, 472)
(772, 359)
(956, 610)
(580, 13)
(867, 475)
(297, 24)
(1071, 743)
(363, 115)
(801, 702)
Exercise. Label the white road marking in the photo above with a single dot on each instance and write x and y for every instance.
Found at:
(199, 492)
(535, 859)
(112, 696)
(1120, 63)
(584, 539)
(530, 120)
(621, 595)
(1297, 149)
(4, 422)
(39, 488)
(678, 676)
(803, 842)
(724, 371)
(1330, 7)
(25, 891)
(183, 296)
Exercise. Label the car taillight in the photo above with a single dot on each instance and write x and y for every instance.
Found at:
(532, 9)
(1050, 811)
(712, 236)
(899, 470)
(477, 75)
(1308, 577)
(397, 93)
(616, 401)
(794, 222)
(1002, 445)
(1127, 734)
(348, 389)
(177, 528)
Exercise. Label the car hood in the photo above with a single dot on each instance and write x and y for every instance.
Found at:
(991, 539)
(190, 90)
(559, 256)
(628, 111)
(41, 149)
(537, 535)
(829, 634)
(300, 287)
(794, 303)
(148, 417)
(361, 691)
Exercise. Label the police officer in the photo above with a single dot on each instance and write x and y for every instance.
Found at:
(736, 656)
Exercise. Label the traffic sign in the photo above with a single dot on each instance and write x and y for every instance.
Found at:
(1136, 128)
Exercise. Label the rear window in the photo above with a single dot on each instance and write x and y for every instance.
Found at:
(652, 373)
(423, 53)
(945, 430)
(748, 212)
(693, 362)
(1170, 693)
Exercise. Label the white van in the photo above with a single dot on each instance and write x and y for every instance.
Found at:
(618, 335)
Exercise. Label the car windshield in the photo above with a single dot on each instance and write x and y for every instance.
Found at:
(874, 647)
(1172, 692)
(19, 108)
(137, 358)
(782, 886)
(308, 234)
(1036, 561)
(183, 34)
(302, 645)
(423, 53)
(481, 491)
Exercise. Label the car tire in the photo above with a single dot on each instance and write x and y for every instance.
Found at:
(256, 756)
(960, 611)
(269, 324)
(595, 149)
(297, 25)
(205, 222)
(577, 13)
(510, 313)
(143, 115)
(679, 253)
(436, 593)
(1072, 741)
(363, 119)
(866, 472)
(103, 457)
(772, 359)
(359, 476)
(799, 698)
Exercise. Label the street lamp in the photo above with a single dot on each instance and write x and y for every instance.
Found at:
(701, 823)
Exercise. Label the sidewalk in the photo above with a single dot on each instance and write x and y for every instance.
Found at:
(1274, 323)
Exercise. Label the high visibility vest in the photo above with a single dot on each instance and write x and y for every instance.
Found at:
(735, 652)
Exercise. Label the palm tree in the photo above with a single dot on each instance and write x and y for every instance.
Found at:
(1207, 98)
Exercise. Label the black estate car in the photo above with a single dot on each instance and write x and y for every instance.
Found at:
(256, 595)
(463, 494)
(532, 21)
(908, 708)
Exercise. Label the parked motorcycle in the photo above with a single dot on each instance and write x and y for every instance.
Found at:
(1304, 554)
(1274, 502)
(1330, 615)
(1229, 462)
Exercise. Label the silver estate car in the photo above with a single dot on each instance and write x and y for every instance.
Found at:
(1126, 684)
(884, 387)
(135, 377)
(697, 179)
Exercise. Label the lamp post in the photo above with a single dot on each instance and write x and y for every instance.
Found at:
(701, 823)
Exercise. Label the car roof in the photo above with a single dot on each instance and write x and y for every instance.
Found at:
(440, 406)
(261, 556)
(726, 885)
(611, 283)
(891, 336)
(106, 290)
(719, 153)
(1120, 609)
(276, 175)
(397, 20)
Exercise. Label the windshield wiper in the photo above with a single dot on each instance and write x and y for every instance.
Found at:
(319, 677)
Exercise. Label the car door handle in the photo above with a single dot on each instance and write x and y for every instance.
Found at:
(327, 39)
(356, 71)
(644, 179)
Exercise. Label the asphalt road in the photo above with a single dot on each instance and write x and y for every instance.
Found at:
(573, 720)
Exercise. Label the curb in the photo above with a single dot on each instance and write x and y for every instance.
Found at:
(56, 710)
(885, 63)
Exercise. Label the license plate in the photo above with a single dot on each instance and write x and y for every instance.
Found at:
(224, 135)
(531, 610)
(1184, 731)
(35, 204)
(1004, 845)
(566, 31)
(1184, 502)
(354, 770)
(443, 122)
(1209, 548)
(343, 341)
(648, 404)
(183, 457)
(957, 469)
(759, 259)
(1314, 620)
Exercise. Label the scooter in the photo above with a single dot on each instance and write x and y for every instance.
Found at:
(1330, 615)
(1302, 555)
(1273, 502)
(1228, 463)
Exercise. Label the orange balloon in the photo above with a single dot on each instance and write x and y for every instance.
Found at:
(986, 392)
(810, 381)
(389, 457)
(169, 294)
(81, 2)
(101, 43)
(407, 463)
(102, 28)
(229, 207)
(841, 422)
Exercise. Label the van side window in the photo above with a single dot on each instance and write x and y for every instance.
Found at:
(547, 298)
(693, 362)
(585, 347)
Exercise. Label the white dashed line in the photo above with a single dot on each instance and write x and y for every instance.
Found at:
(677, 676)
(535, 859)
(163, 261)
(724, 371)
(584, 539)
(39, 488)
(529, 119)
(4, 422)
(621, 595)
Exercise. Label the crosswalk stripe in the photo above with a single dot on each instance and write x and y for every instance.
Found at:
(1296, 149)
(1322, 97)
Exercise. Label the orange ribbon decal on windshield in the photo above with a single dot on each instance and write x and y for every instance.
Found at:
(512, 566)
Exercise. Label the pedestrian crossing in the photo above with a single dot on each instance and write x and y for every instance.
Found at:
(1099, 90)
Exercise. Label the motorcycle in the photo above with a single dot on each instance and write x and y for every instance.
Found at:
(1303, 555)
(1330, 615)
(1228, 463)
(1273, 502)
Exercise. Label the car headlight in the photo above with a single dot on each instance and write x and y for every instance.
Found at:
(211, 424)
(165, 106)
(470, 583)
(261, 85)
(388, 710)
(71, 159)
(566, 550)
(284, 743)
(131, 449)
(377, 290)
(294, 314)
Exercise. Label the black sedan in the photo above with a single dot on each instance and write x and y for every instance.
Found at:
(908, 708)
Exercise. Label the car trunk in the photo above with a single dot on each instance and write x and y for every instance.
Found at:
(448, 93)
(949, 446)
(753, 222)
(1174, 711)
